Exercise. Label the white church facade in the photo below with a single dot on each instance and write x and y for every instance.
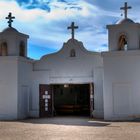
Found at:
(72, 81)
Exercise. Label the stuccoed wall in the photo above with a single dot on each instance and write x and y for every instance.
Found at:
(121, 85)
(8, 88)
(24, 86)
(60, 68)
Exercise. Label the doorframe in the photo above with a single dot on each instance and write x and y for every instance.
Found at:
(91, 95)
(91, 98)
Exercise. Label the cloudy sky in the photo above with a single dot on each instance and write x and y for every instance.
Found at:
(46, 21)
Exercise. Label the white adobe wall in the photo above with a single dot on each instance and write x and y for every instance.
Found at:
(13, 39)
(38, 77)
(8, 88)
(24, 87)
(65, 69)
(131, 30)
(60, 68)
(121, 85)
(98, 92)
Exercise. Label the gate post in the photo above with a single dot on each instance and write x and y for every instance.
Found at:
(91, 99)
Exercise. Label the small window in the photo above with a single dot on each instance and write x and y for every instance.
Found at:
(72, 53)
(3, 49)
(22, 49)
(123, 45)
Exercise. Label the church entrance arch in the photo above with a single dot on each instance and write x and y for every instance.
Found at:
(66, 99)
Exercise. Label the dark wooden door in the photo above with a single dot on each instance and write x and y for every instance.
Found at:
(45, 101)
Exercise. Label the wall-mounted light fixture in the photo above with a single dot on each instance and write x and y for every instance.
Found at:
(66, 86)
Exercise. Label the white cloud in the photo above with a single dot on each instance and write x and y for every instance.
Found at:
(44, 26)
(20, 13)
(59, 11)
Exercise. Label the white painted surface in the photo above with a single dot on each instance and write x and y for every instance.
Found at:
(132, 32)
(60, 68)
(14, 87)
(121, 85)
(13, 38)
(121, 99)
(38, 77)
(115, 75)
(15, 77)
(8, 88)
(98, 92)
(24, 87)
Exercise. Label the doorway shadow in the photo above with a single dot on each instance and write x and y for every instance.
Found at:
(72, 121)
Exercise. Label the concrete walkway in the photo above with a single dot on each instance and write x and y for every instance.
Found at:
(68, 128)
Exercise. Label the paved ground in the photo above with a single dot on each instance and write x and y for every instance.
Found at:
(68, 128)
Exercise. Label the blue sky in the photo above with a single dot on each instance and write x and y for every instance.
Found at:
(46, 21)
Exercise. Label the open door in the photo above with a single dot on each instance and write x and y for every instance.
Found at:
(45, 101)
(73, 99)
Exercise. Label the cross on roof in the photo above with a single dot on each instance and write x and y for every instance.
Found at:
(125, 8)
(10, 19)
(72, 27)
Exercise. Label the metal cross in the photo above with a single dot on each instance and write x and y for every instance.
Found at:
(10, 19)
(125, 8)
(72, 27)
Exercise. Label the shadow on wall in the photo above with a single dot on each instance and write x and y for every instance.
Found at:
(73, 121)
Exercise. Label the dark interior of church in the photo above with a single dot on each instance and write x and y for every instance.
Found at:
(72, 99)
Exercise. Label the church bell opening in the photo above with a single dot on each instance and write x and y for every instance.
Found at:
(71, 99)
